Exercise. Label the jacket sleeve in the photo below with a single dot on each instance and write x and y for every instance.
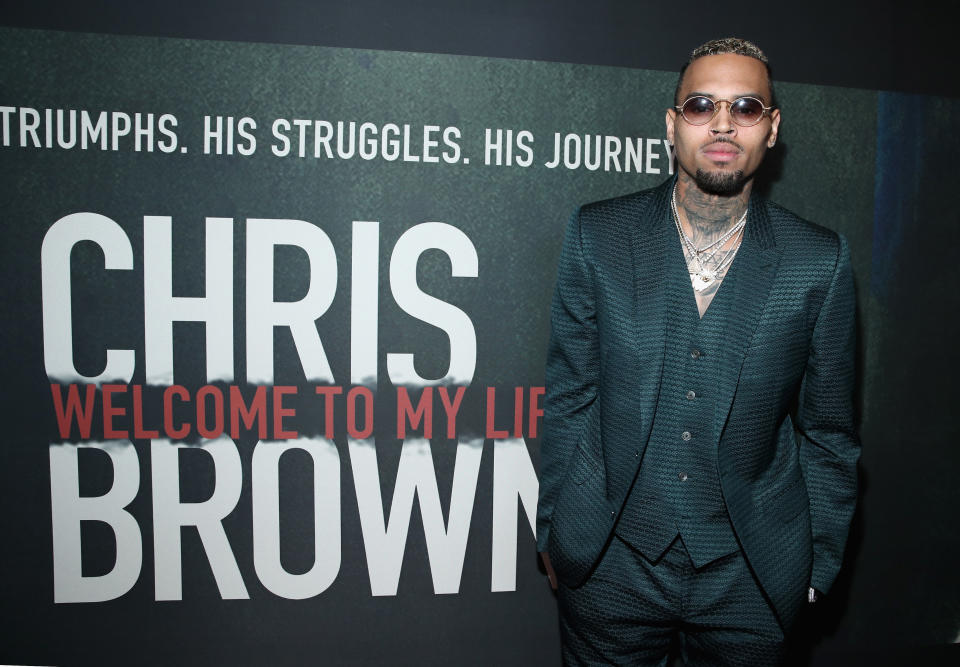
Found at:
(572, 371)
(829, 446)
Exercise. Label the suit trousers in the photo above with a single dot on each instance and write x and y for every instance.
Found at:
(630, 611)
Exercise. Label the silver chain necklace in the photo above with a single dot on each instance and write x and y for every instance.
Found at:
(704, 277)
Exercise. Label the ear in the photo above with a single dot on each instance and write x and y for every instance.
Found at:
(774, 128)
(671, 120)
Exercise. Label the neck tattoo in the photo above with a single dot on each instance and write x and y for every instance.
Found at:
(706, 269)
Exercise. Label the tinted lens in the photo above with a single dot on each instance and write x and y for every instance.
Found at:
(698, 110)
(746, 111)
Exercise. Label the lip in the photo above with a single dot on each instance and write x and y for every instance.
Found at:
(721, 152)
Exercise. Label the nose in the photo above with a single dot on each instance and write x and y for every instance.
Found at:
(722, 123)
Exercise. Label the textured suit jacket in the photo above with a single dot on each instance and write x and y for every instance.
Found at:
(790, 488)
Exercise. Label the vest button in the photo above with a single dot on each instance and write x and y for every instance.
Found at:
(685, 436)
(691, 395)
(695, 354)
(682, 477)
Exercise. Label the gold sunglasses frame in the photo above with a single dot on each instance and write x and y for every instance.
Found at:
(716, 109)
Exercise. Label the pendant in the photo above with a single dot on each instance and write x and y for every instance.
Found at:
(702, 280)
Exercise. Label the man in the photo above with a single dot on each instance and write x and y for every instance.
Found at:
(679, 499)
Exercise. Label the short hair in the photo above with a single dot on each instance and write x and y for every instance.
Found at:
(717, 47)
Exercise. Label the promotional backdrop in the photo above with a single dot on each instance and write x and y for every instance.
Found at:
(275, 322)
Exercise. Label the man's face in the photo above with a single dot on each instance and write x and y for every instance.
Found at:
(720, 155)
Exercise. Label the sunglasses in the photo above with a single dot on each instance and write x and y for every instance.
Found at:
(744, 111)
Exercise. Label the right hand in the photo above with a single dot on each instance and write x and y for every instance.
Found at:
(551, 575)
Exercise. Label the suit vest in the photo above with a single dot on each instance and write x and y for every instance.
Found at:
(677, 489)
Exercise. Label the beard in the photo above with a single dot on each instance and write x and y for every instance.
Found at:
(723, 184)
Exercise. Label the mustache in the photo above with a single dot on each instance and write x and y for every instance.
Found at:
(722, 140)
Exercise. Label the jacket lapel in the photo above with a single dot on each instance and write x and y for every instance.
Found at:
(651, 236)
(756, 263)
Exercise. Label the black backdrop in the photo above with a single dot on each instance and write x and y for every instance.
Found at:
(899, 595)
(889, 45)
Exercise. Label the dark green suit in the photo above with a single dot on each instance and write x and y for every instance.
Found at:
(788, 339)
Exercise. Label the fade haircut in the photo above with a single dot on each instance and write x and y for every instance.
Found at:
(717, 47)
